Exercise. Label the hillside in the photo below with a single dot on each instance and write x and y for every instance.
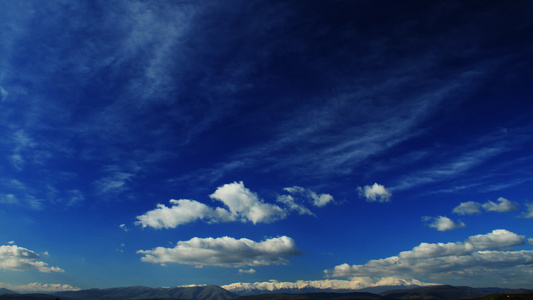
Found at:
(209, 292)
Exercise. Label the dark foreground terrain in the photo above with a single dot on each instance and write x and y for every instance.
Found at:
(212, 292)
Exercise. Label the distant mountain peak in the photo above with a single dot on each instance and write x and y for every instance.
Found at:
(302, 286)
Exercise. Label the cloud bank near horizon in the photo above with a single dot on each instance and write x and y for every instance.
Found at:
(483, 255)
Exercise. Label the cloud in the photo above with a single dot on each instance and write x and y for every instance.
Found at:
(182, 212)
(468, 208)
(39, 287)
(245, 204)
(318, 200)
(483, 253)
(224, 252)
(291, 205)
(124, 227)
(249, 271)
(117, 182)
(15, 258)
(504, 205)
(442, 223)
(529, 213)
(376, 192)
(472, 207)
(242, 205)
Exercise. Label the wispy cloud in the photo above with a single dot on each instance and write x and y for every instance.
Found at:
(318, 200)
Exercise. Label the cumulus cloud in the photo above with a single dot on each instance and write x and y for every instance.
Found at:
(442, 223)
(318, 200)
(472, 207)
(249, 271)
(224, 252)
(484, 252)
(376, 192)
(181, 212)
(40, 287)
(246, 205)
(503, 205)
(468, 208)
(240, 203)
(15, 258)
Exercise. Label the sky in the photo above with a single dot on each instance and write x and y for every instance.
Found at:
(169, 143)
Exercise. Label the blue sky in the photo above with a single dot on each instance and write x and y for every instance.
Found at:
(167, 143)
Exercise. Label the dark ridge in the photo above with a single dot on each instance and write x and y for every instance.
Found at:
(209, 292)
(4, 291)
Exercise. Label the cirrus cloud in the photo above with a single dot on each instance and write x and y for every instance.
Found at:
(224, 252)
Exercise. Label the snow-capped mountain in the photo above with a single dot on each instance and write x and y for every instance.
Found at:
(310, 286)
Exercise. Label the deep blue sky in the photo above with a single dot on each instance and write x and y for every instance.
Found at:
(166, 143)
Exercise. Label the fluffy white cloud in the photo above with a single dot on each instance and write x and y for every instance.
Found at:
(442, 223)
(240, 203)
(182, 212)
(472, 207)
(376, 192)
(480, 252)
(503, 205)
(468, 208)
(224, 252)
(246, 205)
(15, 258)
(39, 287)
(318, 200)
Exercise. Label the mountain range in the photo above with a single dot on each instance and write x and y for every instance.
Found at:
(212, 292)
(307, 286)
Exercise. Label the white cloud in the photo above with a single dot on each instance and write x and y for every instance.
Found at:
(224, 252)
(318, 200)
(182, 212)
(291, 205)
(442, 223)
(249, 271)
(242, 205)
(124, 227)
(15, 258)
(245, 204)
(483, 253)
(376, 192)
(503, 205)
(115, 183)
(39, 287)
(529, 213)
(468, 208)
